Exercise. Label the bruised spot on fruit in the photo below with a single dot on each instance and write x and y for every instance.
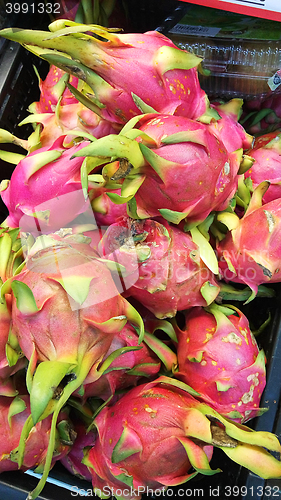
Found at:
(232, 338)
(270, 220)
(226, 168)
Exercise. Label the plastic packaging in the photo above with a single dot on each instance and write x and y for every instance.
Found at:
(241, 54)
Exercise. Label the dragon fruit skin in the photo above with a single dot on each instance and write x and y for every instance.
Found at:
(130, 368)
(148, 65)
(11, 359)
(51, 91)
(191, 173)
(163, 461)
(267, 166)
(169, 273)
(11, 366)
(218, 356)
(49, 275)
(51, 194)
(228, 129)
(106, 211)
(13, 415)
(155, 432)
(250, 252)
(68, 289)
(261, 116)
(59, 112)
(126, 370)
(72, 461)
(71, 117)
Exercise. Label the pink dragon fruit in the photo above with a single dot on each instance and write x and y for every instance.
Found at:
(45, 191)
(53, 89)
(11, 358)
(228, 129)
(14, 413)
(60, 113)
(133, 366)
(185, 150)
(106, 211)
(180, 169)
(262, 116)
(169, 274)
(267, 166)
(218, 356)
(72, 461)
(66, 280)
(156, 432)
(250, 252)
(66, 311)
(127, 72)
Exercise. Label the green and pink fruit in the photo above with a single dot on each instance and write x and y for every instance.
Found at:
(127, 72)
(189, 172)
(228, 129)
(13, 416)
(218, 356)
(45, 191)
(53, 89)
(157, 432)
(130, 368)
(250, 252)
(66, 312)
(60, 113)
(168, 272)
(266, 166)
(72, 461)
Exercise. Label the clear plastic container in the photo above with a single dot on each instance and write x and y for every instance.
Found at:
(241, 54)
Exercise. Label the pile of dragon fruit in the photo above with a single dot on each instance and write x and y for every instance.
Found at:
(139, 214)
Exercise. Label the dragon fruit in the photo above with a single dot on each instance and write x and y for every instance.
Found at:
(262, 116)
(53, 89)
(72, 461)
(218, 356)
(131, 367)
(14, 413)
(127, 72)
(66, 287)
(60, 113)
(157, 431)
(185, 150)
(11, 358)
(106, 211)
(267, 166)
(250, 252)
(169, 274)
(228, 129)
(45, 191)
(180, 170)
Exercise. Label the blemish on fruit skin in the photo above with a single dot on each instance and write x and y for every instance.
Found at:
(232, 338)
(110, 440)
(150, 410)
